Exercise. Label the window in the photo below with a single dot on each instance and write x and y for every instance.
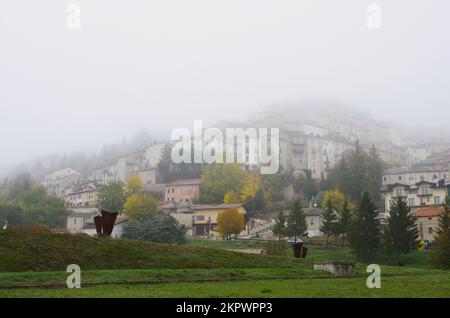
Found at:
(412, 202)
(430, 230)
(399, 177)
(385, 179)
(199, 217)
(173, 190)
(437, 200)
(425, 190)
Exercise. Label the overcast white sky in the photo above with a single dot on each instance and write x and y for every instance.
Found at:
(161, 64)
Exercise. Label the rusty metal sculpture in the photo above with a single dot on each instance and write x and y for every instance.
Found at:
(104, 223)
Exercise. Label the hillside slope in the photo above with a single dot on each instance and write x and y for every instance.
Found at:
(28, 250)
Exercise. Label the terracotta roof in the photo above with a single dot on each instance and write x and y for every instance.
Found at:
(183, 182)
(428, 212)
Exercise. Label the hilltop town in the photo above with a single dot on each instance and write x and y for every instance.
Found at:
(313, 140)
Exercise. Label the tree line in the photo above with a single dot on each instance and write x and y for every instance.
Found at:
(24, 202)
(359, 224)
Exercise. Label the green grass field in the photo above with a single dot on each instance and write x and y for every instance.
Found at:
(44, 251)
(431, 285)
(33, 265)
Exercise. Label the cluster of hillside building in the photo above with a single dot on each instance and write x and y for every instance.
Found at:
(313, 141)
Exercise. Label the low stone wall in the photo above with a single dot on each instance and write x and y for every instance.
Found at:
(336, 268)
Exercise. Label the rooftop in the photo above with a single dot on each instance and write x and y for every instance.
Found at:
(183, 182)
(428, 212)
(313, 212)
(416, 169)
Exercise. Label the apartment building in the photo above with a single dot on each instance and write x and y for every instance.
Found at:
(413, 175)
(417, 154)
(427, 221)
(81, 195)
(183, 190)
(419, 195)
(57, 181)
(142, 164)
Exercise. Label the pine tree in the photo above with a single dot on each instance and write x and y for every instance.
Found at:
(279, 229)
(365, 231)
(357, 172)
(296, 222)
(328, 222)
(444, 219)
(344, 221)
(374, 173)
(401, 233)
(440, 255)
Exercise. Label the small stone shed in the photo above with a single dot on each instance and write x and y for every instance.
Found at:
(336, 268)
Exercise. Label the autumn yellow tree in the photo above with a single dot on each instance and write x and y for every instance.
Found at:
(138, 205)
(230, 222)
(134, 186)
(335, 198)
(231, 197)
(251, 187)
(218, 179)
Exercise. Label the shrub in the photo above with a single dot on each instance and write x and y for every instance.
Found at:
(156, 228)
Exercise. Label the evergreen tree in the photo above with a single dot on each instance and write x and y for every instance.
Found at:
(444, 219)
(365, 231)
(156, 228)
(296, 222)
(310, 187)
(344, 221)
(374, 173)
(357, 172)
(169, 171)
(440, 255)
(328, 222)
(279, 229)
(401, 233)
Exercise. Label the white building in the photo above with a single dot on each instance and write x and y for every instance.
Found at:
(82, 221)
(413, 175)
(417, 154)
(57, 181)
(81, 195)
(142, 164)
(422, 194)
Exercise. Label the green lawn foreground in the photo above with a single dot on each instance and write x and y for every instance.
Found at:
(432, 285)
(255, 282)
(161, 270)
